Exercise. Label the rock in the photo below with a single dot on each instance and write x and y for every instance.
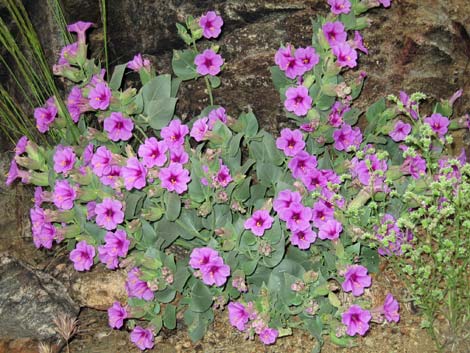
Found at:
(30, 300)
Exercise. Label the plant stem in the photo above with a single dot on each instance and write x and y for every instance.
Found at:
(209, 90)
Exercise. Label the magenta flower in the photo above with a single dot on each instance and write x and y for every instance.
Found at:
(44, 235)
(112, 177)
(118, 127)
(238, 315)
(134, 174)
(400, 131)
(345, 55)
(77, 104)
(334, 33)
(215, 272)
(102, 161)
(285, 199)
(80, 28)
(208, 63)
(136, 288)
(438, 123)
(200, 129)
(297, 216)
(99, 96)
(174, 178)
(415, 166)
(68, 53)
(20, 147)
(223, 177)
(321, 212)
(200, 257)
(268, 335)
(356, 279)
(294, 68)
(357, 320)
(82, 256)
(303, 238)
(174, 133)
(347, 138)
(297, 100)
(314, 179)
(45, 116)
(211, 24)
(137, 63)
(116, 315)
(179, 155)
(218, 114)
(259, 222)
(142, 338)
(106, 257)
(117, 242)
(64, 159)
(358, 43)
(109, 213)
(385, 3)
(290, 141)
(308, 58)
(283, 57)
(330, 229)
(390, 309)
(64, 195)
(301, 164)
(340, 6)
(152, 152)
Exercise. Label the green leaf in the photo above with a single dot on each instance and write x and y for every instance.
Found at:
(118, 74)
(279, 78)
(201, 298)
(167, 230)
(333, 299)
(267, 173)
(181, 277)
(157, 324)
(214, 81)
(160, 111)
(134, 202)
(188, 224)
(96, 232)
(183, 64)
(374, 111)
(370, 259)
(158, 87)
(351, 116)
(149, 235)
(173, 206)
(251, 124)
(165, 296)
(169, 317)
(349, 20)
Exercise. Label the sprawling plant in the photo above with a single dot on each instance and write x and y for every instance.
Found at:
(215, 212)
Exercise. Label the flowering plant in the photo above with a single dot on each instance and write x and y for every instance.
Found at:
(216, 212)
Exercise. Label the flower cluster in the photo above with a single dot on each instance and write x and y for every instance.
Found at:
(210, 265)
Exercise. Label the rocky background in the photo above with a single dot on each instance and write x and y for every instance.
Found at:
(413, 46)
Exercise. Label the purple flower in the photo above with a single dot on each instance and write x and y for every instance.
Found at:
(137, 63)
(400, 131)
(356, 279)
(321, 212)
(211, 24)
(238, 315)
(268, 335)
(358, 43)
(285, 199)
(45, 116)
(179, 155)
(357, 320)
(297, 100)
(64, 159)
(68, 53)
(64, 195)
(200, 129)
(345, 55)
(410, 106)
(116, 315)
(301, 164)
(77, 104)
(390, 309)
(290, 141)
(259, 222)
(117, 242)
(106, 257)
(112, 177)
(314, 179)
(340, 6)
(218, 114)
(80, 28)
(174, 133)
(20, 147)
(438, 123)
(415, 166)
(335, 118)
(134, 174)
(136, 288)
(142, 338)
(223, 177)
(102, 161)
(302, 238)
(347, 138)
(82, 256)
(118, 127)
(330, 229)
(174, 178)
(152, 152)
(200, 257)
(208, 63)
(44, 235)
(215, 272)
(385, 3)
(109, 213)
(99, 96)
(334, 33)
(283, 57)
(294, 68)
(297, 216)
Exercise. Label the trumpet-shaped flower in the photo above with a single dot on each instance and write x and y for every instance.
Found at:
(357, 320)
(211, 24)
(298, 101)
(208, 63)
(259, 222)
(82, 256)
(118, 127)
(290, 142)
(356, 279)
(109, 213)
(175, 178)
